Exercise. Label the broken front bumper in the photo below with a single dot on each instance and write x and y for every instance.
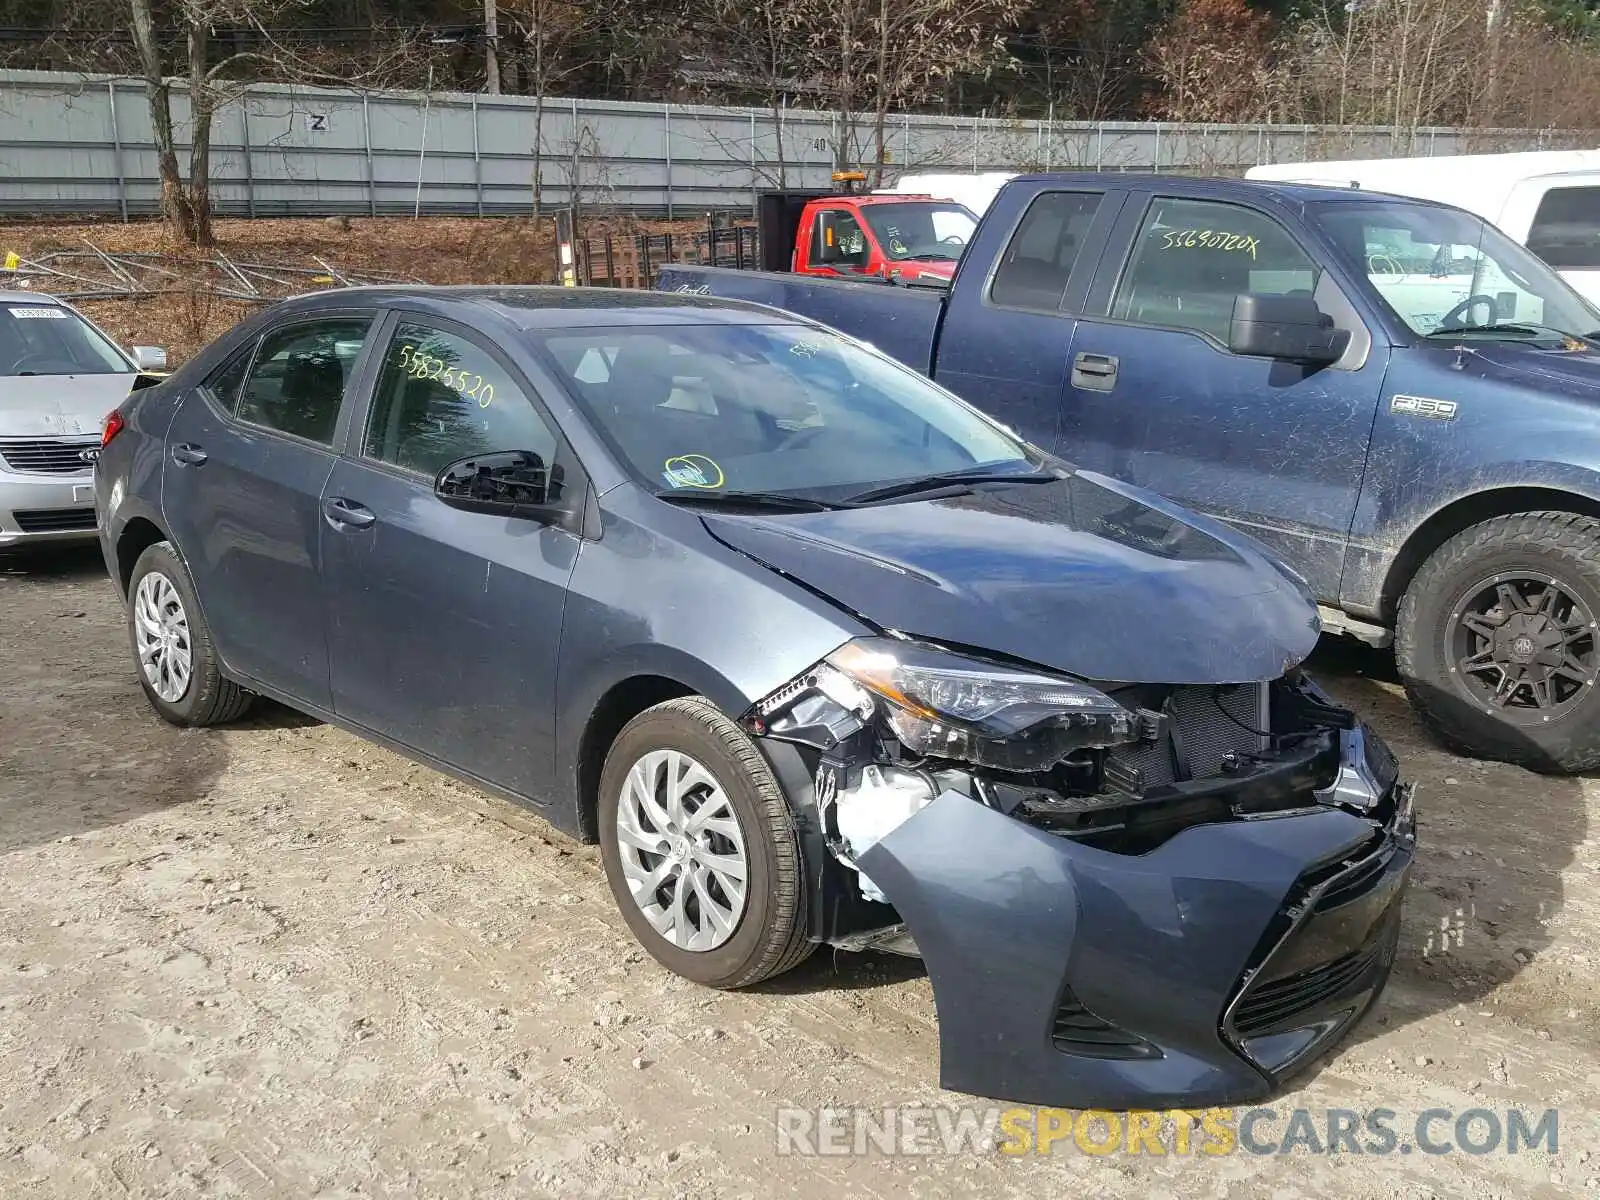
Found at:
(1200, 973)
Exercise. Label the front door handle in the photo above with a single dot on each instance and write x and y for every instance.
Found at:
(187, 454)
(1094, 372)
(346, 514)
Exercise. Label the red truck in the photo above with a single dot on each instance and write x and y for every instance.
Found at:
(846, 233)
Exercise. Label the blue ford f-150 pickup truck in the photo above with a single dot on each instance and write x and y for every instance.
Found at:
(1392, 395)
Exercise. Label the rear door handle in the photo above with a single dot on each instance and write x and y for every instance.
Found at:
(1094, 372)
(187, 454)
(347, 514)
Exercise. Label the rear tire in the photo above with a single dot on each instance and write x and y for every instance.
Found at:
(1497, 642)
(687, 805)
(172, 649)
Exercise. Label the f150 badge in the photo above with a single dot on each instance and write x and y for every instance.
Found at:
(1423, 406)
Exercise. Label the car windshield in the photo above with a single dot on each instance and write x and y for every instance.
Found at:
(770, 409)
(920, 230)
(46, 339)
(1447, 273)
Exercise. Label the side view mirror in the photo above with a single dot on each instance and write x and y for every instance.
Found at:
(509, 483)
(828, 232)
(1291, 328)
(150, 358)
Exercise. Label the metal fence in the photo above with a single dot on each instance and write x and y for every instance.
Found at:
(82, 144)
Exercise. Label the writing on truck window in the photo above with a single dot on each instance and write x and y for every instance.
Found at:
(421, 365)
(1210, 239)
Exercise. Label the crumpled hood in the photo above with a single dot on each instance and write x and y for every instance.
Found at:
(1084, 575)
(58, 405)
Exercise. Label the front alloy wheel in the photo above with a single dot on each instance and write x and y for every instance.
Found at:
(700, 847)
(682, 851)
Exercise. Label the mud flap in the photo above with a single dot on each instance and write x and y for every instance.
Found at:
(1028, 938)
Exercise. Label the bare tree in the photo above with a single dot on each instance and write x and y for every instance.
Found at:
(211, 84)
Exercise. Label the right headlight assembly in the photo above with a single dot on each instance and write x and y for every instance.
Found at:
(944, 705)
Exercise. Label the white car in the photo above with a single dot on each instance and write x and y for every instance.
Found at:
(59, 377)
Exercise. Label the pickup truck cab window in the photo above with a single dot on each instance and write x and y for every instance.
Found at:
(1037, 262)
(442, 397)
(1192, 258)
(297, 382)
(851, 239)
(1445, 272)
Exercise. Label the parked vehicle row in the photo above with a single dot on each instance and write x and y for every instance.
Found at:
(816, 651)
(1412, 428)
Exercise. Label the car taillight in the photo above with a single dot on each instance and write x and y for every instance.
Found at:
(111, 426)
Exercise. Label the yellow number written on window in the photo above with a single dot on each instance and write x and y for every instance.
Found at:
(421, 365)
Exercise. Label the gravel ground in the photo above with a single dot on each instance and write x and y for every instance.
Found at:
(273, 960)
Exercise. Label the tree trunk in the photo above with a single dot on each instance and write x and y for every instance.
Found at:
(202, 104)
(491, 49)
(175, 209)
(880, 115)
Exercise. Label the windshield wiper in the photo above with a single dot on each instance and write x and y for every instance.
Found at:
(948, 479)
(1522, 327)
(775, 501)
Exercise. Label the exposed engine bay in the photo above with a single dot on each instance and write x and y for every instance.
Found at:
(893, 723)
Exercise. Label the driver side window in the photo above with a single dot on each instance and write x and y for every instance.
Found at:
(1193, 257)
(441, 397)
(848, 234)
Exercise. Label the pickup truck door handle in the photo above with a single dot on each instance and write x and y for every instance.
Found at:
(345, 514)
(187, 454)
(1094, 372)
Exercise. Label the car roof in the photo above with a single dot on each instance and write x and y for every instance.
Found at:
(29, 298)
(541, 306)
(1295, 193)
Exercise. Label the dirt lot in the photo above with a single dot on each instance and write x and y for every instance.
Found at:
(275, 961)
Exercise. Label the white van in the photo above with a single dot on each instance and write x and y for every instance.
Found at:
(1549, 200)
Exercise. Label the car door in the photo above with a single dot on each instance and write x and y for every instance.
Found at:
(247, 454)
(444, 625)
(1005, 342)
(1155, 397)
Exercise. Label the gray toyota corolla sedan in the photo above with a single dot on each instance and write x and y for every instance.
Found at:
(815, 651)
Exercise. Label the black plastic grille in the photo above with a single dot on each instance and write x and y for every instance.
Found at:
(48, 456)
(1274, 1004)
(56, 520)
(1076, 1030)
(1211, 722)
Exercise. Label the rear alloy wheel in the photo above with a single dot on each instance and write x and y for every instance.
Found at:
(177, 664)
(699, 847)
(1498, 642)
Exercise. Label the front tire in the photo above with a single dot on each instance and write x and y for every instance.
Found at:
(172, 649)
(700, 848)
(1498, 645)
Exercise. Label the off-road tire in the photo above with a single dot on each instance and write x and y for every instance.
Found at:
(211, 698)
(771, 935)
(1561, 545)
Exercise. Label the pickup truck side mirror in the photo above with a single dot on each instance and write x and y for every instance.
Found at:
(1291, 328)
(828, 250)
(510, 483)
(150, 358)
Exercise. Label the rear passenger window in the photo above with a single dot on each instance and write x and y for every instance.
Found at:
(299, 378)
(226, 381)
(1037, 263)
(441, 398)
(1566, 229)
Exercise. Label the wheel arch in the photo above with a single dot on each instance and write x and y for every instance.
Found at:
(135, 537)
(1463, 513)
(621, 703)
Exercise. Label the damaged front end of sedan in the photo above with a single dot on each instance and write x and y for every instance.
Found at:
(1126, 895)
